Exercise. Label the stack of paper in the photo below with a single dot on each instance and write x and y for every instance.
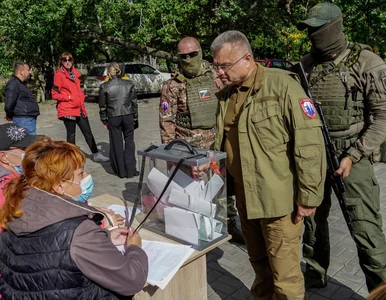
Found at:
(190, 213)
(165, 259)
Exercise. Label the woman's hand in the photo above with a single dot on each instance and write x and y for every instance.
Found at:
(115, 218)
(133, 238)
(118, 236)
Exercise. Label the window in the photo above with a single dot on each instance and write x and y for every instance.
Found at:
(144, 69)
(129, 69)
(277, 64)
(97, 71)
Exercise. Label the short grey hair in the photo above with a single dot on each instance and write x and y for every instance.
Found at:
(233, 37)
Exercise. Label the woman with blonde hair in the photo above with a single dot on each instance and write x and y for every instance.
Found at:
(51, 246)
(119, 114)
(71, 110)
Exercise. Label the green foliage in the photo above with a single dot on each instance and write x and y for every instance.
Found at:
(38, 31)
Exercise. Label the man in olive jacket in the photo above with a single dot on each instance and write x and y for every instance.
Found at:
(279, 174)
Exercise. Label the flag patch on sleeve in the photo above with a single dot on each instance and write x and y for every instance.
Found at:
(165, 105)
(308, 107)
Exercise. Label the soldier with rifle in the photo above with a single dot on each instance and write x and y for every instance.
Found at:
(349, 81)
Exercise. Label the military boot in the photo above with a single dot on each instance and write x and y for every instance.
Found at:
(237, 235)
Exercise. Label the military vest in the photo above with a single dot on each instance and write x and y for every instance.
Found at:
(201, 103)
(333, 85)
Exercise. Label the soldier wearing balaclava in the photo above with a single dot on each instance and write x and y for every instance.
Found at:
(188, 108)
(349, 81)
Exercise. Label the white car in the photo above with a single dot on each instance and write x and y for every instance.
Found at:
(146, 79)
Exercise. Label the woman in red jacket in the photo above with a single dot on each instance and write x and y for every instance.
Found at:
(70, 106)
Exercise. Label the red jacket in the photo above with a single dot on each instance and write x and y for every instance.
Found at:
(63, 89)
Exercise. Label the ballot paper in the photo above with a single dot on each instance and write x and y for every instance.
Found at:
(164, 259)
(186, 201)
(181, 224)
(212, 187)
(120, 210)
(156, 182)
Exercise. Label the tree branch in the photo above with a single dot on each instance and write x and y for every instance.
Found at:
(95, 37)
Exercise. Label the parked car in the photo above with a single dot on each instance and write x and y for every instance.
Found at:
(146, 79)
(275, 63)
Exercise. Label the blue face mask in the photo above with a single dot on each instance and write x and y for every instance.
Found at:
(87, 186)
(19, 168)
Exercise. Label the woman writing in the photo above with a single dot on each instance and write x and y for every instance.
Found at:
(71, 109)
(119, 114)
(51, 246)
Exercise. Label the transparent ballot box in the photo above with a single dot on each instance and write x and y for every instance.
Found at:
(183, 193)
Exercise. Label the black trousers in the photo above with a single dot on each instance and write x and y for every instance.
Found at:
(84, 126)
(122, 157)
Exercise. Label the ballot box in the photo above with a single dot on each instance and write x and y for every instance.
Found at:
(183, 193)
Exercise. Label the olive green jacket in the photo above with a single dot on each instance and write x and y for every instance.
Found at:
(282, 150)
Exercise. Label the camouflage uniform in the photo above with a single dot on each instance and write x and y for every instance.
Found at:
(173, 101)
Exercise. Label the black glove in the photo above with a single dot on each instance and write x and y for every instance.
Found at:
(136, 123)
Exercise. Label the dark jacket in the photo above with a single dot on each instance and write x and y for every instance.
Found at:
(19, 101)
(63, 239)
(117, 97)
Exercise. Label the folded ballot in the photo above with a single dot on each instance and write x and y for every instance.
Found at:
(192, 203)
(191, 227)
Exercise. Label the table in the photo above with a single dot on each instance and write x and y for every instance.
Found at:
(190, 281)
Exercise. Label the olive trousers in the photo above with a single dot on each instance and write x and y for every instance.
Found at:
(362, 197)
(273, 246)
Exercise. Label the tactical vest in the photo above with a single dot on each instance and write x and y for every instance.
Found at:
(201, 103)
(333, 85)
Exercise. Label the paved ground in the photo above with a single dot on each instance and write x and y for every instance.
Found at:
(229, 272)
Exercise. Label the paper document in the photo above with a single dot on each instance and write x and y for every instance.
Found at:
(181, 224)
(165, 259)
(186, 201)
(156, 182)
(212, 187)
(120, 210)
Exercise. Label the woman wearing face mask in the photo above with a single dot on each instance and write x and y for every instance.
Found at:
(13, 139)
(55, 243)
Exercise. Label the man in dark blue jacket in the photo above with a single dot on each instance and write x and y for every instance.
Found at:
(20, 105)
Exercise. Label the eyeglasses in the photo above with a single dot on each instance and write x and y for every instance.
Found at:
(190, 55)
(67, 59)
(225, 68)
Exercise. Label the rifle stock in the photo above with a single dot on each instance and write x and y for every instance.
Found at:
(337, 182)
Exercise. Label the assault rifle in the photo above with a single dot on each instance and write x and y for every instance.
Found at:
(337, 182)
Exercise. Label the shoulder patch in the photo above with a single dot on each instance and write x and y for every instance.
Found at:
(383, 79)
(165, 105)
(308, 107)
